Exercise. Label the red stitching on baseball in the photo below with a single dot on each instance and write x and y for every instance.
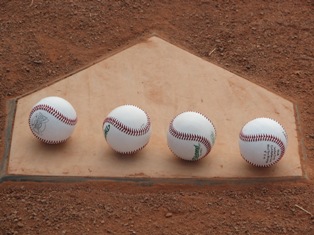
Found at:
(263, 137)
(54, 113)
(207, 120)
(128, 130)
(191, 137)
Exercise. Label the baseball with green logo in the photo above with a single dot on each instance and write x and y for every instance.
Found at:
(191, 136)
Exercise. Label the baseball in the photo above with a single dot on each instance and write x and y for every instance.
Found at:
(191, 136)
(52, 120)
(127, 129)
(262, 142)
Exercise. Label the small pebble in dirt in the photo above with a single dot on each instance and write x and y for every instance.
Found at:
(168, 215)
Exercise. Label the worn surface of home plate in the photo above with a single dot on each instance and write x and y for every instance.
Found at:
(164, 80)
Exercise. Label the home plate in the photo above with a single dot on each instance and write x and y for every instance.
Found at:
(163, 80)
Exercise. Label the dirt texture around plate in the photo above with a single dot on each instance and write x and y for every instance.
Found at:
(267, 42)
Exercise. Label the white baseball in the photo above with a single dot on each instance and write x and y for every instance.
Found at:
(127, 129)
(262, 142)
(52, 120)
(191, 136)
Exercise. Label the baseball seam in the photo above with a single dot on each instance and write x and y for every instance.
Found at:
(128, 130)
(263, 137)
(54, 113)
(191, 137)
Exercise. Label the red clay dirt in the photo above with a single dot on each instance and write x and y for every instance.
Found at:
(269, 43)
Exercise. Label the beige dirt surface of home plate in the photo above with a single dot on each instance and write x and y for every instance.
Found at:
(164, 80)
